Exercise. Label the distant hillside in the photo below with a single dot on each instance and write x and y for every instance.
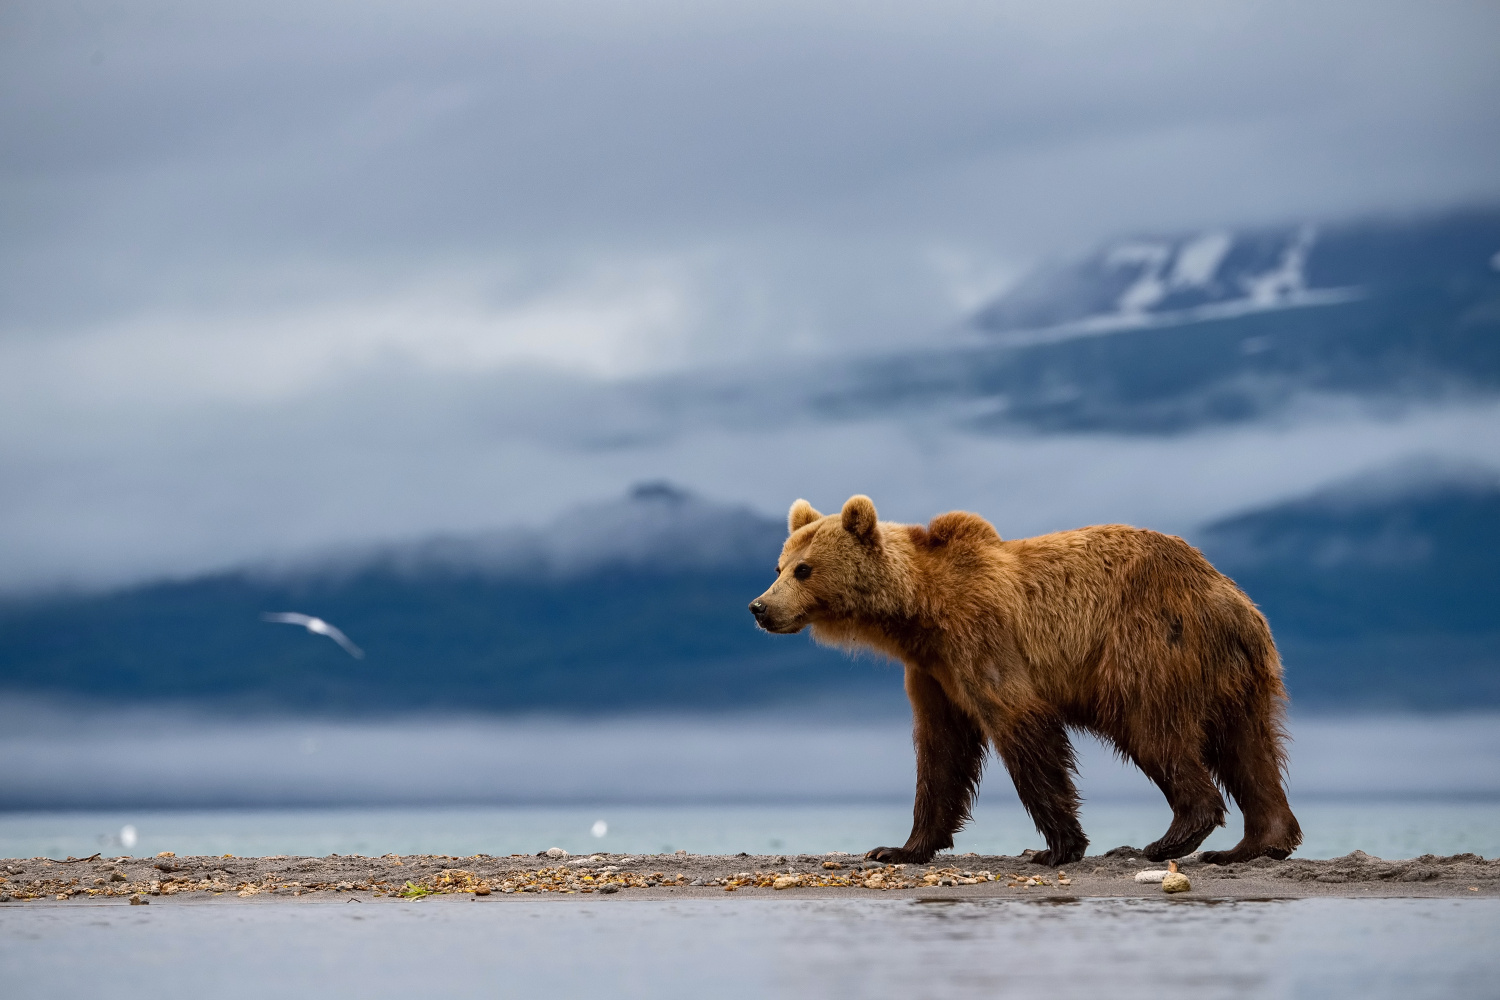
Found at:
(1167, 334)
(634, 605)
(1382, 593)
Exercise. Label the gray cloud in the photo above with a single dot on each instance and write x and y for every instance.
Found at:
(276, 276)
(151, 147)
(372, 460)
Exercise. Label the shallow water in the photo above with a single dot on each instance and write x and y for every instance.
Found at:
(1390, 829)
(1406, 948)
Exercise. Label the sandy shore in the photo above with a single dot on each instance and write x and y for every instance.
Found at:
(340, 878)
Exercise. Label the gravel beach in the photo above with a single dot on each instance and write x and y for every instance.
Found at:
(484, 878)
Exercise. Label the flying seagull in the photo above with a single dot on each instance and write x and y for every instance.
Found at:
(316, 626)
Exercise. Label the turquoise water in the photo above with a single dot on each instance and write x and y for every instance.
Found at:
(1411, 949)
(1391, 829)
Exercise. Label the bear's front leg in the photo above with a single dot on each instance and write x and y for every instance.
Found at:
(1036, 751)
(950, 756)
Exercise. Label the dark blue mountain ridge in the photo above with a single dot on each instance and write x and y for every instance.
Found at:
(1381, 592)
(1166, 335)
(632, 605)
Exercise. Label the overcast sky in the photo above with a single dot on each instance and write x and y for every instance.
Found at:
(257, 259)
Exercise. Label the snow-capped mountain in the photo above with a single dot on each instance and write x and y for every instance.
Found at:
(1219, 274)
(1154, 282)
(1167, 335)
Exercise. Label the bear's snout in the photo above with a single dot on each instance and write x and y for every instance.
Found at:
(772, 618)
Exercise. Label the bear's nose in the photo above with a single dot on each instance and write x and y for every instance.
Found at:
(757, 608)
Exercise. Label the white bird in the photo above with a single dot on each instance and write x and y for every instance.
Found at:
(316, 626)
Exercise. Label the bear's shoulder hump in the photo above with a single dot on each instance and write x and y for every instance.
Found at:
(959, 526)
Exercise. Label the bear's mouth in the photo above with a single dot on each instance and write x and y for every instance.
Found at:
(781, 629)
(769, 623)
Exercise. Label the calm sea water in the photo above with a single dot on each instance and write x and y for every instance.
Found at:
(611, 947)
(1160, 949)
(1390, 829)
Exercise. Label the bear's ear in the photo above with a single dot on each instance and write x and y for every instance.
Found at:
(800, 516)
(859, 518)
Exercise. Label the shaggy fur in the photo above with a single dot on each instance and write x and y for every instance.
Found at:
(1125, 633)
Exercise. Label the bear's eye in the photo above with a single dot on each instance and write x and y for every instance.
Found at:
(803, 571)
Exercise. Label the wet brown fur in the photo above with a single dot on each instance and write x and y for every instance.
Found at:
(1125, 633)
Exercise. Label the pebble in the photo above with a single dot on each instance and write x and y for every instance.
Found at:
(139, 900)
(555, 852)
(1175, 882)
(1153, 875)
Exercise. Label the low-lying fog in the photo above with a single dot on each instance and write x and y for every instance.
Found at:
(56, 758)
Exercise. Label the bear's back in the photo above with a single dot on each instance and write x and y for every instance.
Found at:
(1064, 593)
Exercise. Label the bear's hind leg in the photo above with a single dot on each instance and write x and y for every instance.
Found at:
(1197, 806)
(1247, 758)
(1040, 760)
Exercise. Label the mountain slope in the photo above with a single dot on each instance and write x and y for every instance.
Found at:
(1382, 594)
(1170, 335)
(638, 604)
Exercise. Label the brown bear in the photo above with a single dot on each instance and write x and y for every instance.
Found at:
(1125, 633)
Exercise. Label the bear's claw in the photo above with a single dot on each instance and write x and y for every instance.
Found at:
(899, 856)
(1053, 859)
(1241, 854)
(1160, 852)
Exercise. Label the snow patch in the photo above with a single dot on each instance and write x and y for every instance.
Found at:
(1288, 280)
(1149, 288)
(1107, 323)
(1198, 260)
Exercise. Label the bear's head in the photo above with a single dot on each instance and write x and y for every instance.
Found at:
(834, 570)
